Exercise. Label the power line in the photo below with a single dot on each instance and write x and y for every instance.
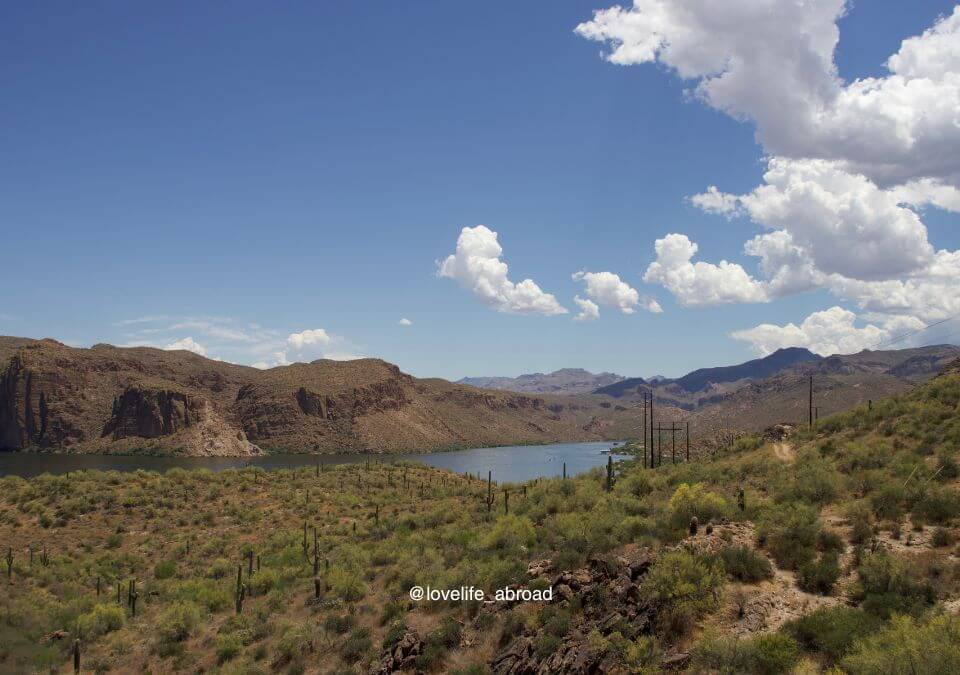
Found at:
(903, 336)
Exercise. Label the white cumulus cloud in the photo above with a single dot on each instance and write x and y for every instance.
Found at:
(405, 322)
(189, 344)
(607, 289)
(477, 267)
(772, 62)
(832, 331)
(697, 284)
(589, 310)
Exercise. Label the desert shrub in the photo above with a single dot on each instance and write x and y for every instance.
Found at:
(100, 620)
(509, 533)
(208, 594)
(114, 540)
(356, 645)
(263, 581)
(887, 501)
(682, 586)
(938, 505)
(908, 646)
(860, 517)
(164, 569)
(768, 654)
(745, 564)
(221, 568)
(339, 624)
(832, 630)
(178, 621)
(790, 531)
(830, 540)
(295, 642)
(943, 537)
(228, 646)
(810, 479)
(688, 501)
(947, 467)
(887, 585)
(346, 584)
(513, 625)
(819, 576)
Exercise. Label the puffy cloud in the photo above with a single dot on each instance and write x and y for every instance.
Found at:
(771, 61)
(189, 344)
(925, 191)
(476, 265)
(314, 337)
(589, 310)
(405, 322)
(714, 201)
(845, 223)
(700, 283)
(831, 331)
(607, 289)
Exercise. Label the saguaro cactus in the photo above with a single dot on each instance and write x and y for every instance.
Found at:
(240, 591)
(9, 563)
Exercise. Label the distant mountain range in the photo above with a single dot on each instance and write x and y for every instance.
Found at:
(563, 381)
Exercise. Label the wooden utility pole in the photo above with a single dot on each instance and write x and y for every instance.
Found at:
(673, 443)
(652, 446)
(644, 431)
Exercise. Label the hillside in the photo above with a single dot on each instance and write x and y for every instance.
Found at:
(563, 381)
(121, 400)
(831, 550)
(839, 383)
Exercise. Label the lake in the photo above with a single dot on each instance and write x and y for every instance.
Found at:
(508, 463)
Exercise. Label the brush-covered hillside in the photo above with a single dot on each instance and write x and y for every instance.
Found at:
(833, 550)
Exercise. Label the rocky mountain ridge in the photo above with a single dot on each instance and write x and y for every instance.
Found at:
(141, 400)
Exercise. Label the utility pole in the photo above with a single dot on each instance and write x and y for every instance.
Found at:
(644, 430)
(673, 443)
(810, 403)
(652, 446)
(688, 440)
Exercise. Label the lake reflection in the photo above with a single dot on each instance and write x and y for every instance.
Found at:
(508, 463)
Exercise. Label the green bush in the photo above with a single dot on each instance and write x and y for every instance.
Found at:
(682, 586)
(819, 576)
(178, 621)
(832, 630)
(689, 501)
(295, 642)
(888, 585)
(768, 654)
(100, 620)
(228, 646)
(790, 532)
(745, 564)
(357, 644)
(165, 569)
(908, 646)
(938, 505)
(339, 624)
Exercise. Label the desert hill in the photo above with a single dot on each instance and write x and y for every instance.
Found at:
(120, 400)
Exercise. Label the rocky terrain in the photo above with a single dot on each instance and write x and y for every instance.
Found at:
(141, 400)
(563, 381)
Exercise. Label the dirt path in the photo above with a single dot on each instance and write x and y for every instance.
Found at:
(784, 451)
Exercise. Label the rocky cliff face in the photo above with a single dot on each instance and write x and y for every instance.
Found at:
(147, 413)
(108, 399)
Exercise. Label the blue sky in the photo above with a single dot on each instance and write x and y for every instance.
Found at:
(229, 176)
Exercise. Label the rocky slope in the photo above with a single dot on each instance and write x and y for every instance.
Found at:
(121, 400)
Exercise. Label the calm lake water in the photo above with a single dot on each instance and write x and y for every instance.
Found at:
(508, 464)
